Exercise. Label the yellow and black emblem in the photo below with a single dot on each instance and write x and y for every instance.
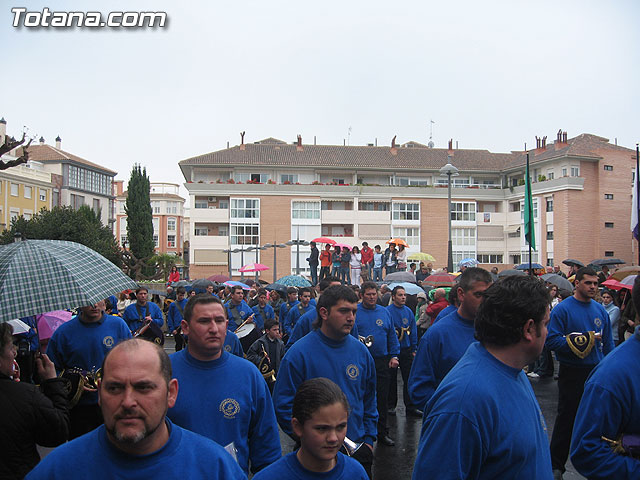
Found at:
(581, 344)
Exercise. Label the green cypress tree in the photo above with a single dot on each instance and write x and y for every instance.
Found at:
(139, 214)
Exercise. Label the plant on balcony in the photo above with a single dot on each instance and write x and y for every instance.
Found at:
(219, 180)
(286, 182)
(542, 178)
(316, 182)
(271, 182)
(231, 180)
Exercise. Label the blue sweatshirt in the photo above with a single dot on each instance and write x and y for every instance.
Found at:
(185, 455)
(572, 315)
(377, 322)
(232, 344)
(259, 318)
(483, 422)
(305, 324)
(174, 317)
(448, 310)
(439, 350)
(294, 314)
(403, 317)
(346, 362)
(609, 407)
(132, 316)
(242, 311)
(290, 468)
(284, 311)
(227, 400)
(84, 345)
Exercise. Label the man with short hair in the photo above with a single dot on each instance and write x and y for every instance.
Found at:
(367, 260)
(142, 312)
(313, 263)
(580, 334)
(262, 311)
(345, 269)
(329, 351)
(405, 327)
(267, 352)
(276, 301)
(446, 341)
(390, 260)
(292, 301)
(222, 397)
(484, 421)
(325, 261)
(137, 440)
(237, 309)
(422, 274)
(302, 307)
(557, 271)
(374, 321)
(174, 317)
(82, 343)
(608, 410)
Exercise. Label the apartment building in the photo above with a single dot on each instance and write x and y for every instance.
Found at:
(270, 192)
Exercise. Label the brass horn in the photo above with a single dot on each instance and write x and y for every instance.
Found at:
(268, 373)
(402, 331)
(368, 340)
(350, 447)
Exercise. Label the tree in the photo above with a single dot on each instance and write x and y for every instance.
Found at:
(64, 223)
(9, 144)
(140, 217)
(163, 263)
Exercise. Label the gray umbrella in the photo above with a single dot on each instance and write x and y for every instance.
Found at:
(400, 277)
(607, 261)
(560, 282)
(571, 261)
(511, 272)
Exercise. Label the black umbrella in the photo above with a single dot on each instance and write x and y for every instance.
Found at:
(607, 261)
(511, 272)
(278, 287)
(571, 261)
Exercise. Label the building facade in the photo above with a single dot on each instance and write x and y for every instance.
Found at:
(271, 192)
(168, 214)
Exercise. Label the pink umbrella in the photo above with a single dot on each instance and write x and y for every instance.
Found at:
(50, 321)
(342, 246)
(253, 267)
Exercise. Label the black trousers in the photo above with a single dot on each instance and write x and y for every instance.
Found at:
(179, 339)
(365, 457)
(406, 360)
(382, 392)
(83, 419)
(324, 272)
(570, 388)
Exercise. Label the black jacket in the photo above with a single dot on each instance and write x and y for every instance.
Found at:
(29, 415)
(255, 355)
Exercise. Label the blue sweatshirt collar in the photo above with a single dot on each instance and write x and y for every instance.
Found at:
(207, 364)
(329, 341)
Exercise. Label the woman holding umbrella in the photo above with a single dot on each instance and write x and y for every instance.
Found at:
(401, 257)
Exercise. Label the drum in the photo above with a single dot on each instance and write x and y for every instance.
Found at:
(247, 333)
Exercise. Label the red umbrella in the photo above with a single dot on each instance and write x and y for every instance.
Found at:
(324, 240)
(219, 278)
(253, 267)
(440, 280)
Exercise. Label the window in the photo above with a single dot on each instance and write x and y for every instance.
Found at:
(121, 206)
(156, 224)
(549, 234)
(549, 204)
(43, 195)
(608, 168)
(201, 204)
(515, 259)
(27, 216)
(575, 171)
(463, 241)
(96, 205)
(223, 204)
(406, 211)
(201, 231)
(339, 181)
(223, 231)
(156, 242)
(608, 224)
(514, 207)
(549, 261)
(515, 234)
(460, 182)
(535, 209)
(245, 208)
(172, 207)
(411, 235)
(564, 171)
(84, 179)
(305, 210)
(413, 182)
(550, 174)
(374, 206)
(463, 211)
(156, 207)
(608, 196)
(13, 214)
(27, 191)
(171, 241)
(14, 189)
(251, 177)
(76, 201)
(489, 258)
(171, 224)
(123, 240)
(245, 234)
(288, 178)
(336, 205)
(608, 253)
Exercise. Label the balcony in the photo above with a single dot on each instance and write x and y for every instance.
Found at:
(340, 216)
(210, 215)
(209, 242)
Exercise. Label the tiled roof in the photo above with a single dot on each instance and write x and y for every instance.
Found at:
(272, 153)
(47, 153)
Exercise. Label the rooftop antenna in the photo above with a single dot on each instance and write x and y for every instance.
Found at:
(431, 144)
(349, 136)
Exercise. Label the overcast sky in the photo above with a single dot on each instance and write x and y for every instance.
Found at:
(490, 74)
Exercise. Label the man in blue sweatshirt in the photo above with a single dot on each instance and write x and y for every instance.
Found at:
(237, 309)
(142, 312)
(609, 409)
(222, 397)
(405, 326)
(374, 321)
(262, 311)
(331, 352)
(483, 421)
(82, 343)
(446, 341)
(302, 307)
(137, 441)
(580, 334)
(174, 317)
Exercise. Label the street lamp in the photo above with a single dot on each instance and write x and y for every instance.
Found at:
(257, 248)
(228, 252)
(450, 171)
(275, 247)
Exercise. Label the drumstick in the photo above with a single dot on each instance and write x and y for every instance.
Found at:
(248, 318)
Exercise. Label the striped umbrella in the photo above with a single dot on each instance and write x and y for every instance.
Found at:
(38, 276)
(439, 280)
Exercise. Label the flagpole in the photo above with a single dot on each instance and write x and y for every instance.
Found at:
(530, 206)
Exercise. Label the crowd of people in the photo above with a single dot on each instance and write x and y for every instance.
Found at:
(321, 365)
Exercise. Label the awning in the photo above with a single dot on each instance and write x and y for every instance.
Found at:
(512, 228)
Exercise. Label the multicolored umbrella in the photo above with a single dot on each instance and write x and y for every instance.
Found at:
(624, 272)
(398, 241)
(233, 283)
(50, 321)
(62, 274)
(440, 280)
(342, 245)
(467, 262)
(253, 267)
(421, 257)
(294, 281)
(324, 240)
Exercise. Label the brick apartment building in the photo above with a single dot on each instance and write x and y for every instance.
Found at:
(271, 192)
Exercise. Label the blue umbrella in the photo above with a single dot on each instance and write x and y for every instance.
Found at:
(409, 288)
(233, 283)
(525, 266)
(294, 281)
(468, 262)
(277, 287)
